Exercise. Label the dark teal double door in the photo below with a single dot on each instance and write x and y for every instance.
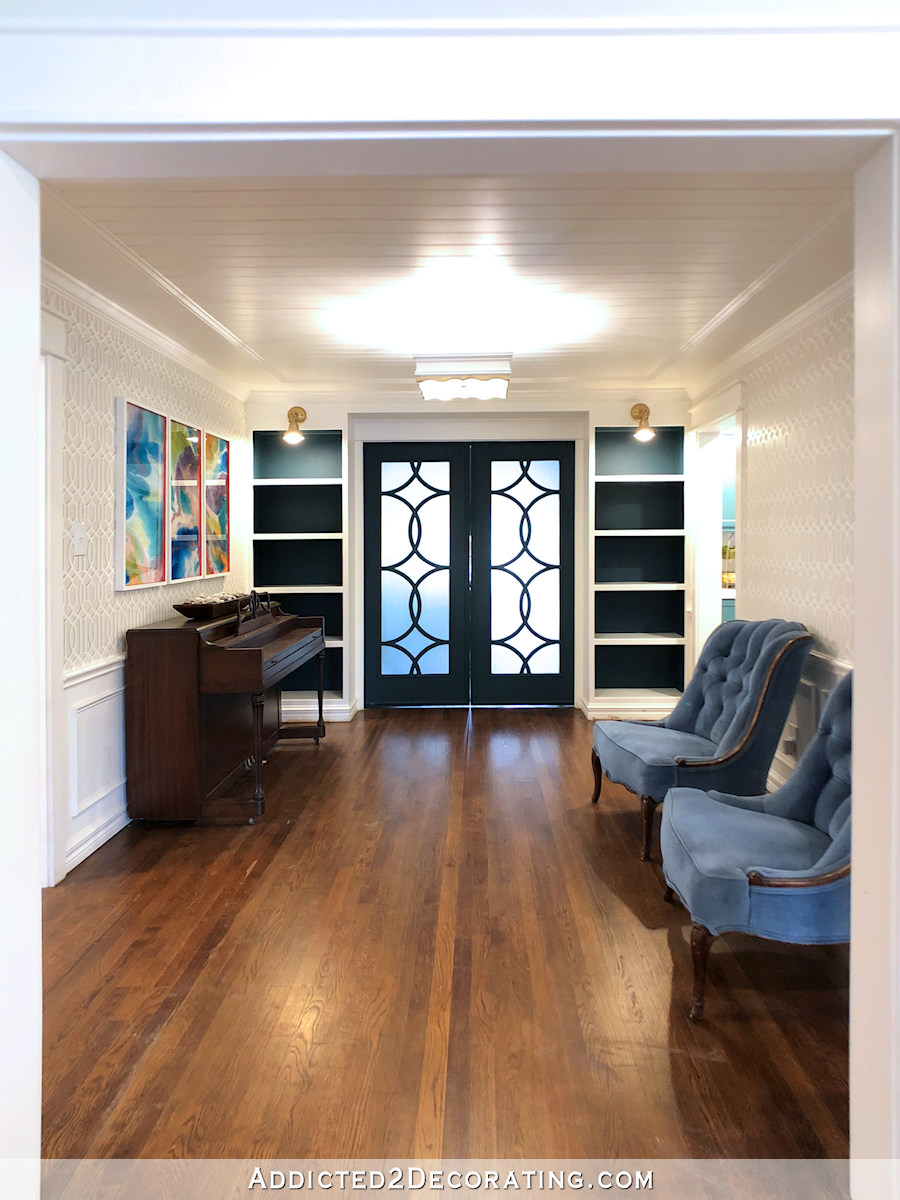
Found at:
(469, 573)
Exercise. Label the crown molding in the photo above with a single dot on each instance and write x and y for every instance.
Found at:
(790, 256)
(730, 368)
(61, 281)
(161, 280)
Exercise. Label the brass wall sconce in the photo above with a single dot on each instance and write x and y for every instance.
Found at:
(296, 417)
(641, 414)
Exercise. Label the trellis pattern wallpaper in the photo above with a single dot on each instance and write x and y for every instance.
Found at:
(796, 559)
(105, 361)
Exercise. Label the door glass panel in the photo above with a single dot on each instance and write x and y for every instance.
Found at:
(415, 568)
(525, 567)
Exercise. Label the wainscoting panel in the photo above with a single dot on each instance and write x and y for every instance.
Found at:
(95, 727)
(820, 675)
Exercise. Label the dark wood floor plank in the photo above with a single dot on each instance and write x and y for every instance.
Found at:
(433, 944)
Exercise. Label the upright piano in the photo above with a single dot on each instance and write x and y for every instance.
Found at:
(203, 705)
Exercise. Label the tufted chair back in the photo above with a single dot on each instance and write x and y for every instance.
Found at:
(818, 792)
(740, 662)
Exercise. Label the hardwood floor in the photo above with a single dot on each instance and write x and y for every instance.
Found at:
(432, 945)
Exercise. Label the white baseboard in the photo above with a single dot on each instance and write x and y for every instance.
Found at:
(308, 710)
(93, 838)
(627, 708)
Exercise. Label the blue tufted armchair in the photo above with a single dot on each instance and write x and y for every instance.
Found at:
(778, 865)
(724, 730)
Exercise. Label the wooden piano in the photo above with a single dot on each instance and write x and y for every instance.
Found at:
(203, 703)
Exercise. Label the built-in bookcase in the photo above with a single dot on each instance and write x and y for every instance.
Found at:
(639, 569)
(298, 540)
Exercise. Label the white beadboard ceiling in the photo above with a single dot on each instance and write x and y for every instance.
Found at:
(690, 267)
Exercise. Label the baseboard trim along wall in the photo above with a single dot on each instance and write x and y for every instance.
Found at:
(634, 708)
(301, 709)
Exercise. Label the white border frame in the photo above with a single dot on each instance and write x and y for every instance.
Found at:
(201, 497)
(202, 483)
(120, 584)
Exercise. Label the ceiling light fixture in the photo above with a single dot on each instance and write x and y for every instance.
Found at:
(296, 417)
(641, 414)
(476, 377)
(476, 301)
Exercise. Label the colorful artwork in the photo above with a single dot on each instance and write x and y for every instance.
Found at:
(216, 486)
(184, 501)
(142, 504)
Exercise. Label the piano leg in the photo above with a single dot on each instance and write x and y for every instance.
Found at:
(257, 700)
(320, 668)
(309, 729)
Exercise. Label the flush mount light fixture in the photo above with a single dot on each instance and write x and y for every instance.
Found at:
(296, 417)
(641, 414)
(476, 377)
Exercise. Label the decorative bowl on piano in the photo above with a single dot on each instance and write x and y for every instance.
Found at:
(203, 608)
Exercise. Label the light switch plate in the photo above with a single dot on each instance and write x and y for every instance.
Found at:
(79, 539)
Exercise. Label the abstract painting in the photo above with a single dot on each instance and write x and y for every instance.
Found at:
(215, 475)
(141, 541)
(184, 501)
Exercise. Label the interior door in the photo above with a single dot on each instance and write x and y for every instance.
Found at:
(416, 565)
(522, 583)
(469, 573)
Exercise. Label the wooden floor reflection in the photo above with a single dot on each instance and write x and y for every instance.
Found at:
(432, 945)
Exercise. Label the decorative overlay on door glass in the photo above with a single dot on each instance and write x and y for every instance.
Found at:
(525, 568)
(415, 568)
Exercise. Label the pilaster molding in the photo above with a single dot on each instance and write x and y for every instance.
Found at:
(53, 335)
(719, 404)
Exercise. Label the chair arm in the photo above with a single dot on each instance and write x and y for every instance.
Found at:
(757, 879)
(681, 763)
(634, 720)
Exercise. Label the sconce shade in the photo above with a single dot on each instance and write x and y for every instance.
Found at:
(296, 417)
(641, 414)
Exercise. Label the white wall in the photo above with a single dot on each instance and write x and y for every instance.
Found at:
(797, 487)
(796, 517)
(797, 503)
(104, 354)
(22, 746)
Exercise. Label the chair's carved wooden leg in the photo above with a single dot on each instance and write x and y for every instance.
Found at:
(648, 808)
(701, 940)
(598, 776)
(669, 895)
